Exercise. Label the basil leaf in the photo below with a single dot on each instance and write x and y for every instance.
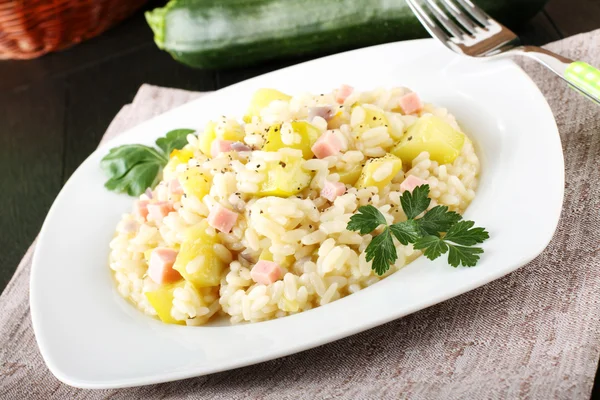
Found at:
(132, 168)
(174, 139)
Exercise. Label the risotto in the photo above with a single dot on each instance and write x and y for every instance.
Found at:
(249, 219)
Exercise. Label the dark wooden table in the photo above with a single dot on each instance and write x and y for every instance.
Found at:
(54, 110)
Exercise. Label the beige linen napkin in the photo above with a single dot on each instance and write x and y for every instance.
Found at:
(532, 334)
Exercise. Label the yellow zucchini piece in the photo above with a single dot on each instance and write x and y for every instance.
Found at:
(287, 305)
(198, 248)
(284, 178)
(307, 131)
(206, 138)
(161, 300)
(337, 120)
(350, 174)
(373, 119)
(433, 135)
(176, 158)
(230, 130)
(379, 172)
(266, 255)
(261, 99)
(195, 182)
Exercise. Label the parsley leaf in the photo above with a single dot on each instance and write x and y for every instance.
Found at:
(366, 220)
(174, 139)
(432, 246)
(437, 220)
(406, 232)
(457, 242)
(416, 202)
(464, 234)
(467, 256)
(437, 232)
(382, 251)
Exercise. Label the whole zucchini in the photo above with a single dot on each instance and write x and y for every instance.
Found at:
(230, 33)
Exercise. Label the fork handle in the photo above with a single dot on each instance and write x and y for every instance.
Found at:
(580, 75)
(585, 78)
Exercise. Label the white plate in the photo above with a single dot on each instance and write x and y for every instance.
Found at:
(92, 338)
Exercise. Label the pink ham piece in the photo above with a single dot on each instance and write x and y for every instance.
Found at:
(327, 145)
(342, 93)
(266, 272)
(219, 146)
(140, 209)
(239, 146)
(331, 190)
(160, 266)
(411, 182)
(410, 103)
(158, 211)
(175, 186)
(324, 112)
(221, 218)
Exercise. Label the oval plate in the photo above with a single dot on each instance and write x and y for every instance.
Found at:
(90, 337)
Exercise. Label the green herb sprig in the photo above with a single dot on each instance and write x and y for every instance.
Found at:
(133, 168)
(438, 231)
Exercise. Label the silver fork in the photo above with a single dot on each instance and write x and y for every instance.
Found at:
(476, 34)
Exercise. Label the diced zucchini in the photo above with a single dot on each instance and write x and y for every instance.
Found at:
(373, 119)
(176, 158)
(198, 248)
(433, 135)
(308, 132)
(261, 99)
(268, 256)
(379, 172)
(287, 305)
(195, 182)
(350, 174)
(227, 130)
(284, 178)
(162, 301)
(337, 120)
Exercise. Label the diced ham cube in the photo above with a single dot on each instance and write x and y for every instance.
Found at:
(331, 190)
(140, 208)
(175, 187)
(221, 218)
(239, 146)
(325, 112)
(342, 93)
(410, 103)
(219, 146)
(328, 144)
(266, 272)
(160, 266)
(158, 211)
(411, 182)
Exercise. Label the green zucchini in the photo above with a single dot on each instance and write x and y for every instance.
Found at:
(234, 33)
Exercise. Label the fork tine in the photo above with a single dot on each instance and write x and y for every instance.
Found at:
(444, 20)
(427, 23)
(476, 12)
(460, 16)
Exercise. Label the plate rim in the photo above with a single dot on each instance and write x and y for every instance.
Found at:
(36, 262)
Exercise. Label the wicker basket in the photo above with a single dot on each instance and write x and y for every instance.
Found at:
(31, 28)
